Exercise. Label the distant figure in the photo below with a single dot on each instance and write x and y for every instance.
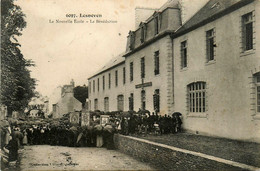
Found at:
(177, 120)
(25, 139)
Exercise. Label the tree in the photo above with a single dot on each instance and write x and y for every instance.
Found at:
(81, 93)
(17, 86)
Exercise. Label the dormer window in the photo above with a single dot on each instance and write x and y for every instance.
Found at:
(132, 40)
(156, 25)
(157, 22)
(143, 32)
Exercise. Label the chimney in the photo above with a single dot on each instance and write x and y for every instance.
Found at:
(142, 14)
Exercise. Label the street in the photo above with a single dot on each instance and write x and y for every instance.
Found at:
(45, 157)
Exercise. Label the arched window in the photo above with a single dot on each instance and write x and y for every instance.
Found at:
(257, 84)
(197, 97)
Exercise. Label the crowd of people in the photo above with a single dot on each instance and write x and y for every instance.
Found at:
(153, 124)
(14, 137)
(65, 135)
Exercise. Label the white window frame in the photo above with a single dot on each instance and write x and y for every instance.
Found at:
(197, 97)
(247, 19)
(208, 45)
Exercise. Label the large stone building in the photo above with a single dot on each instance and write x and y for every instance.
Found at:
(217, 70)
(207, 68)
(142, 77)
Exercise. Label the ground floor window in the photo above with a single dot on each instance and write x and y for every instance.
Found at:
(257, 84)
(120, 103)
(96, 104)
(156, 100)
(197, 97)
(106, 104)
(131, 102)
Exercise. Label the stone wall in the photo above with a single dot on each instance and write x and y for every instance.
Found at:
(164, 158)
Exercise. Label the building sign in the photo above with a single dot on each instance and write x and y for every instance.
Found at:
(148, 84)
(74, 117)
(85, 119)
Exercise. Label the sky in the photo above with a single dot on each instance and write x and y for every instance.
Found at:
(65, 51)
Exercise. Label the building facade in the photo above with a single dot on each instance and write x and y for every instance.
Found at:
(207, 68)
(107, 87)
(145, 72)
(217, 68)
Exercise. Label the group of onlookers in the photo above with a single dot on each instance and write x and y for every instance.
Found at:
(154, 123)
(67, 135)
(93, 135)
(13, 138)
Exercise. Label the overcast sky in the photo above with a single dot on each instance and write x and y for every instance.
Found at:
(65, 51)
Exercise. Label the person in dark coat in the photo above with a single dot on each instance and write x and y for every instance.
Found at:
(109, 131)
(18, 136)
(13, 147)
(178, 123)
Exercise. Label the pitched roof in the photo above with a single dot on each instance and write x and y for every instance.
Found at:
(211, 11)
(110, 64)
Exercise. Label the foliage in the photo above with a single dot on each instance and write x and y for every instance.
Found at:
(17, 86)
(81, 93)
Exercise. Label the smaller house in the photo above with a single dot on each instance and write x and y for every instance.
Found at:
(67, 102)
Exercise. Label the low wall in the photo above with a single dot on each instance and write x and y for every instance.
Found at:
(162, 158)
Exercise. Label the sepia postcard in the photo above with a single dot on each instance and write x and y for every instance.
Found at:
(130, 85)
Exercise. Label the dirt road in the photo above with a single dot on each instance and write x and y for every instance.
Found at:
(45, 157)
